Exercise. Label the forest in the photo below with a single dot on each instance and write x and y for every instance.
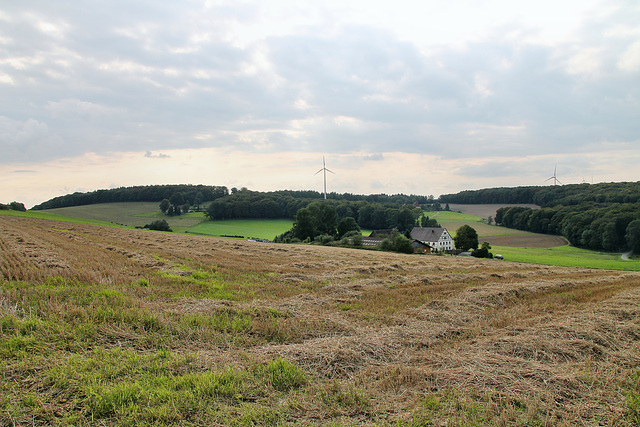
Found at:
(370, 212)
(148, 193)
(603, 216)
(547, 196)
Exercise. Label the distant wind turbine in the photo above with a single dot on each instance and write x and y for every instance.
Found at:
(325, 170)
(554, 177)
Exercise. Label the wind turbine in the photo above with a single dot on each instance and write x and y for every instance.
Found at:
(325, 170)
(554, 177)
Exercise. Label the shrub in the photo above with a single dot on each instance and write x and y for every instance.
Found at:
(160, 225)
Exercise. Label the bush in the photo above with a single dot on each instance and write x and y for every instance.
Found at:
(160, 225)
(482, 252)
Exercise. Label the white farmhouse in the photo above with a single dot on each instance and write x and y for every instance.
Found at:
(438, 238)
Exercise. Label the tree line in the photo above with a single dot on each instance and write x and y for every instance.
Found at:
(13, 206)
(246, 204)
(599, 226)
(553, 195)
(149, 193)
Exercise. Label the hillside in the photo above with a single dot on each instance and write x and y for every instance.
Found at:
(120, 327)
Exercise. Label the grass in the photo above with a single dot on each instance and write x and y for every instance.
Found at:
(259, 229)
(567, 256)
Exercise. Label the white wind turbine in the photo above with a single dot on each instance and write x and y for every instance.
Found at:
(554, 177)
(325, 170)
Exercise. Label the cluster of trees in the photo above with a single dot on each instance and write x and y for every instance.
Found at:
(553, 195)
(467, 238)
(319, 222)
(286, 204)
(159, 225)
(598, 226)
(149, 193)
(13, 206)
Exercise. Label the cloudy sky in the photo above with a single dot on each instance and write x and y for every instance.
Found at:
(425, 97)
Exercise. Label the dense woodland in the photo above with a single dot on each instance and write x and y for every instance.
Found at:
(553, 195)
(594, 216)
(371, 212)
(148, 193)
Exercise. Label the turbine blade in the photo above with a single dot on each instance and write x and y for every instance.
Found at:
(328, 170)
(318, 172)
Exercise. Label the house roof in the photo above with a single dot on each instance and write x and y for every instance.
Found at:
(427, 234)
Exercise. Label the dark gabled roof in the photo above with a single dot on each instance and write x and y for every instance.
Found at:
(427, 234)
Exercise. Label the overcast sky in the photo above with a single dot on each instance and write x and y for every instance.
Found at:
(426, 97)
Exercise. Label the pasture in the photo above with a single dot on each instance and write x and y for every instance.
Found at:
(255, 228)
(117, 327)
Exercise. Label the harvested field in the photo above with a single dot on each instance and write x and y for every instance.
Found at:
(526, 240)
(485, 210)
(105, 326)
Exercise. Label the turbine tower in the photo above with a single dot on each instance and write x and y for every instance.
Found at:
(554, 177)
(325, 170)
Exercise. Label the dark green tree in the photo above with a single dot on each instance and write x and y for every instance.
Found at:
(346, 225)
(466, 238)
(632, 236)
(483, 252)
(165, 204)
(160, 225)
(304, 225)
(325, 217)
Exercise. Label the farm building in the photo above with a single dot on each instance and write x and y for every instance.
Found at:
(371, 241)
(438, 239)
(420, 247)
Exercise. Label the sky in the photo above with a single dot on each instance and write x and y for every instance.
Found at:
(426, 98)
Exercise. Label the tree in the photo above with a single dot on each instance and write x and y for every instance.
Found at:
(160, 225)
(466, 238)
(633, 236)
(17, 206)
(165, 204)
(346, 225)
(483, 252)
(304, 226)
(325, 217)
(397, 243)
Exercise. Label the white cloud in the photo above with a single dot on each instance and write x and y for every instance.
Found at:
(456, 81)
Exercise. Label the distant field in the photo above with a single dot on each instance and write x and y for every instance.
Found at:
(566, 256)
(56, 217)
(260, 229)
(486, 210)
(127, 213)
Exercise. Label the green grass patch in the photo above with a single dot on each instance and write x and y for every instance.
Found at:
(249, 228)
(567, 256)
(448, 216)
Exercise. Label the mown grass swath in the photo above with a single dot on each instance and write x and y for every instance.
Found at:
(105, 326)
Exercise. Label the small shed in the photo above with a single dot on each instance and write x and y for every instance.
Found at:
(420, 247)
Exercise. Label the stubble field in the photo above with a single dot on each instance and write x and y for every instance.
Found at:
(106, 326)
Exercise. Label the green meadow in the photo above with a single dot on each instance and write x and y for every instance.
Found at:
(256, 228)
(567, 256)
